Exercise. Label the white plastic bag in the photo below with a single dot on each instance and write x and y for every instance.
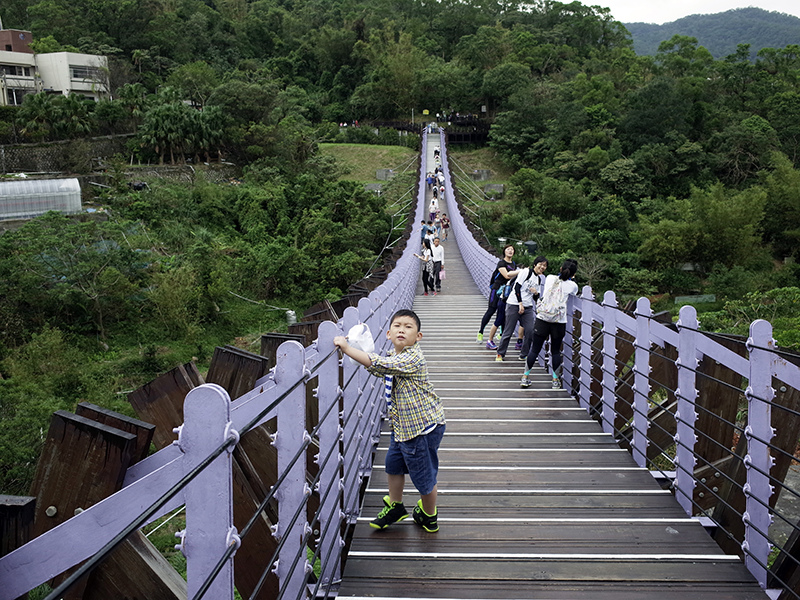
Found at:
(360, 337)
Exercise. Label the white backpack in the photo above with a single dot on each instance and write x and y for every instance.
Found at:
(553, 305)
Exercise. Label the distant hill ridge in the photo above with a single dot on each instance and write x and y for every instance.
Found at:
(720, 33)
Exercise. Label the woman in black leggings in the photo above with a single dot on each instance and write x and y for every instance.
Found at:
(551, 320)
(505, 271)
(427, 267)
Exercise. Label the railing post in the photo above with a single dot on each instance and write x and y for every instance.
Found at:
(350, 417)
(685, 415)
(329, 459)
(609, 364)
(568, 352)
(294, 491)
(585, 390)
(759, 433)
(641, 383)
(209, 517)
(367, 384)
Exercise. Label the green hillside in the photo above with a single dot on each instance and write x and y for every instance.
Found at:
(721, 33)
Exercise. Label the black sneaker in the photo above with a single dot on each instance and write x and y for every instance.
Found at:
(392, 512)
(427, 522)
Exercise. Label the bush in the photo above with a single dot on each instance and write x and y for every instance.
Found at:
(732, 283)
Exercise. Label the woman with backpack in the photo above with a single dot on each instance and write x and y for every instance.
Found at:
(520, 307)
(551, 320)
(499, 290)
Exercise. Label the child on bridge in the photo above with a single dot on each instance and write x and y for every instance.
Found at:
(416, 417)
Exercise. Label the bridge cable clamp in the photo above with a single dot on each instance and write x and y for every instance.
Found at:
(231, 434)
(177, 430)
(233, 539)
(181, 535)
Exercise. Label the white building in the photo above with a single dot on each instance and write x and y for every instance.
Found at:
(72, 73)
(22, 72)
(17, 76)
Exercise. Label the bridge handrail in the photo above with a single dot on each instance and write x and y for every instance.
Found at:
(480, 263)
(200, 459)
(763, 363)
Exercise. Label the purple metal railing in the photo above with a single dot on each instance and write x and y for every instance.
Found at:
(479, 262)
(758, 369)
(213, 425)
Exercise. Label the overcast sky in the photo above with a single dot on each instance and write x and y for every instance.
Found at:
(664, 11)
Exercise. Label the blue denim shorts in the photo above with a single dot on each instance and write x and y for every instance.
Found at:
(418, 457)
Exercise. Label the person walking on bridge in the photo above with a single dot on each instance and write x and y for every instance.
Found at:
(520, 307)
(437, 253)
(551, 320)
(501, 277)
(427, 268)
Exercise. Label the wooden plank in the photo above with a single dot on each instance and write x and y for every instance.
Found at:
(548, 457)
(236, 370)
(161, 401)
(531, 535)
(306, 328)
(529, 427)
(143, 431)
(785, 572)
(550, 505)
(502, 571)
(588, 443)
(511, 479)
(259, 545)
(514, 589)
(271, 341)
(135, 569)
(16, 521)
(82, 462)
(718, 389)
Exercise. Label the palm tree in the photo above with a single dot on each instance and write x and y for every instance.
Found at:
(36, 115)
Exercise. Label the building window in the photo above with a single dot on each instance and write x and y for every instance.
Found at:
(15, 97)
(9, 48)
(82, 72)
(15, 70)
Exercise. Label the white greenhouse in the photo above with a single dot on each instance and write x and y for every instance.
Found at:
(30, 198)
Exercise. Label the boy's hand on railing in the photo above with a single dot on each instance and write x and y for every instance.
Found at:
(357, 355)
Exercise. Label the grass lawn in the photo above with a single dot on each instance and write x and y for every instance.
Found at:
(359, 162)
(482, 158)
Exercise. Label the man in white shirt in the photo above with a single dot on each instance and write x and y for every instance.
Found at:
(438, 263)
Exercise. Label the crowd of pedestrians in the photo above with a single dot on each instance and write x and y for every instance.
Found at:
(522, 300)
(531, 305)
(434, 231)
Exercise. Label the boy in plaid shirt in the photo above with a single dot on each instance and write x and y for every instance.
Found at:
(417, 420)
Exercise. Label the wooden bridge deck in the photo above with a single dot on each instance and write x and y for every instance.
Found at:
(535, 501)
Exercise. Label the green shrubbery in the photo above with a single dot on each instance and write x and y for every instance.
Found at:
(96, 305)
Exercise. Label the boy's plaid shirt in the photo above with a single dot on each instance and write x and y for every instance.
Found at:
(415, 407)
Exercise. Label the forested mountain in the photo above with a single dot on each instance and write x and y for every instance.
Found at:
(721, 33)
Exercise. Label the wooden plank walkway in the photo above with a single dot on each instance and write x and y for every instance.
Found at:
(535, 501)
